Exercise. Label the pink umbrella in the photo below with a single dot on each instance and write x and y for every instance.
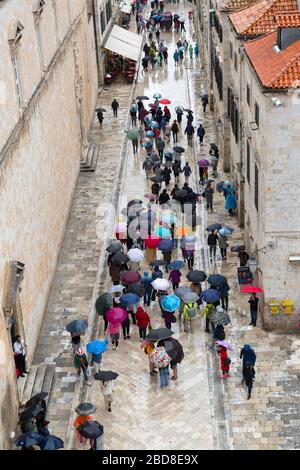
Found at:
(130, 277)
(116, 315)
(151, 196)
(203, 163)
(250, 289)
(225, 344)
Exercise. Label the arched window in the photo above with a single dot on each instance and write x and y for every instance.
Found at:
(15, 33)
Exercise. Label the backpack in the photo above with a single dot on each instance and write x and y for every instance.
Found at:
(133, 109)
(192, 312)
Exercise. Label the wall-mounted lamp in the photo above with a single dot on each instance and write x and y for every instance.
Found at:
(252, 264)
(253, 126)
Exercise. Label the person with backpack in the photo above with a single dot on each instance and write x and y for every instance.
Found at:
(81, 364)
(189, 313)
(175, 130)
(161, 359)
(133, 112)
(225, 362)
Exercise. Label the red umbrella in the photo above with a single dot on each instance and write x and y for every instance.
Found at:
(116, 315)
(130, 277)
(152, 106)
(152, 242)
(165, 101)
(156, 132)
(250, 289)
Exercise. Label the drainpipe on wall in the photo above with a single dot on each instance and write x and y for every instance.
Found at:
(95, 12)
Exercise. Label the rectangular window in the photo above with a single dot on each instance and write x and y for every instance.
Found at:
(256, 187)
(248, 161)
(236, 125)
(248, 94)
(108, 11)
(102, 21)
(17, 80)
(229, 92)
(235, 61)
(231, 50)
(257, 114)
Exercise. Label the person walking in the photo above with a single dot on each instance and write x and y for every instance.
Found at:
(230, 203)
(107, 388)
(20, 355)
(206, 313)
(204, 101)
(189, 313)
(163, 198)
(197, 50)
(167, 113)
(100, 118)
(126, 327)
(243, 256)
(146, 282)
(176, 171)
(187, 171)
(203, 175)
(248, 378)
(248, 355)
(160, 145)
(133, 112)
(142, 321)
(208, 193)
(161, 360)
(174, 277)
(141, 133)
(179, 114)
(166, 174)
(175, 130)
(147, 166)
(115, 106)
(191, 51)
(165, 56)
(113, 330)
(135, 146)
(167, 133)
(176, 56)
(212, 243)
(145, 63)
(223, 245)
(249, 358)
(253, 301)
(189, 131)
(225, 362)
(81, 365)
(201, 133)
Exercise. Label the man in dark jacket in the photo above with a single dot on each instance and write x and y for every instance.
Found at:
(204, 101)
(115, 106)
(253, 301)
(160, 145)
(164, 197)
(200, 133)
(189, 131)
(190, 117)
(212, 243)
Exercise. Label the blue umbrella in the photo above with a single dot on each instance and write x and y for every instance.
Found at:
(165, 245)
(170, 303)
(154, 124)
(226, 231)
(77, 326)
(129, 299)
(28, 439)
(157, 96)
(150, 134)
(220, 186)
(211, 296)
(163, 232)
(148, 144)
(177, 264)
(213, 227)
(51, 443)
(96, 347)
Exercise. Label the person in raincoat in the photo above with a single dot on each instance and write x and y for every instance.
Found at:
(107, 388)
(248, 355)
(174, 277)
(191, 51)
(77, 423)
(176, 56)
(149, 347)
(161, 360)
(224, 362)
(206, 312)
(142, 321)
(113, 330)
(230, 203)
(223, 245)
(159, 59)
(81, 365)
(189, 313)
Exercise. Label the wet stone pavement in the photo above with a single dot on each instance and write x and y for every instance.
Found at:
(202, 411)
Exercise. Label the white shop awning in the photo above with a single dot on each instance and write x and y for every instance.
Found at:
(126, 9)
(125, 43)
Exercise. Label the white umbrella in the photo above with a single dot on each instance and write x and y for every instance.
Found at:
(135, 255)
(117, 288)
(160, 284)
(181, 19)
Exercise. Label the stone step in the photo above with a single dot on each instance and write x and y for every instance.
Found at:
(48, 379)
(39, 379)
(90, 157)
(29, 383)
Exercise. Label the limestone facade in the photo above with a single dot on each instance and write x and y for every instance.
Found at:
(48, 92)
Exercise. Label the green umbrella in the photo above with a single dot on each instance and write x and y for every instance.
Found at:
(103, 303)
(132, 134)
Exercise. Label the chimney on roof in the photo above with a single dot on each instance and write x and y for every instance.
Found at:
(286, 37)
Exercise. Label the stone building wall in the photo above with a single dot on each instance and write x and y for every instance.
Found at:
(40, 152)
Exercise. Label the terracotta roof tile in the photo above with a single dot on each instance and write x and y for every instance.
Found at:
(263, 17)
(234, 5)
(276, 70)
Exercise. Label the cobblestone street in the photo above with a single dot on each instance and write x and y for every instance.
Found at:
(199, 411)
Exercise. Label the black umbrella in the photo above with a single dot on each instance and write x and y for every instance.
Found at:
(213, 227)
(181, 194)
(91, 429)
(102, 110)
(106, 375)
(85, 409)
(103, 303)
(137, 289)
(159, 333)
(158, 262)
(169, 164)
(174, 349)
(114, 247)
(28, 439)
(77, 326)
(157, 179)
(30, 412)
(154, 157)
(51, 443)
(237, 248)
(142, 97)
(216, 280)
(169, 155)
(188, 110)
(119, 259)
(137, 202)
(178, 149)
(196, 276)
(36, 399)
